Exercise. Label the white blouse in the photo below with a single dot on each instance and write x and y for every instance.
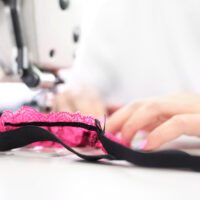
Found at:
(133, 49)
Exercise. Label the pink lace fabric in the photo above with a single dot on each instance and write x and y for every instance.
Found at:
(71, 136)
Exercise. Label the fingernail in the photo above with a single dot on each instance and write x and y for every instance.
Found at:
(142, 145)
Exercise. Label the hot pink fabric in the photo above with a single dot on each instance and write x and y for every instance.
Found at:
(71, 136)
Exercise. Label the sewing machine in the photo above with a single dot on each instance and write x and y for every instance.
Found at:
(37, 39)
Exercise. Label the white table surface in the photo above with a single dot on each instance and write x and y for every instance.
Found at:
(36, 174)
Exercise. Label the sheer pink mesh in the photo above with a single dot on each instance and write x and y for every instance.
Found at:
(71, 136)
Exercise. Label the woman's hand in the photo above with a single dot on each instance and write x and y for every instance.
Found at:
(82, 99)
(165, 118)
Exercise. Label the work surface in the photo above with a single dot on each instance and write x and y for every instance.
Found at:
(57, 174)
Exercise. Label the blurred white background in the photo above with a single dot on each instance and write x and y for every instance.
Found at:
(137, 49)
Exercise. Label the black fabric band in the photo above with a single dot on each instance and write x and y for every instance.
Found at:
(28, 134)
(31, 132)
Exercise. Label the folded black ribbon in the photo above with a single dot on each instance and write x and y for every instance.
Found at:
(32, 132)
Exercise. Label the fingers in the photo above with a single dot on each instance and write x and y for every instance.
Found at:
(145, 116)
(89, 102)
(119, 118)
(111, 108)
(63, 102)
(167, 118)
(172, 129)
(137, 116)
(151, 127)
(83, 100)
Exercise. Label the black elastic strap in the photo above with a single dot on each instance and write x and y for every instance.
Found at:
(30, 133)
(161, 159)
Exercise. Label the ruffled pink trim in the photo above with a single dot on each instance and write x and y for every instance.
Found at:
(71, 136)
